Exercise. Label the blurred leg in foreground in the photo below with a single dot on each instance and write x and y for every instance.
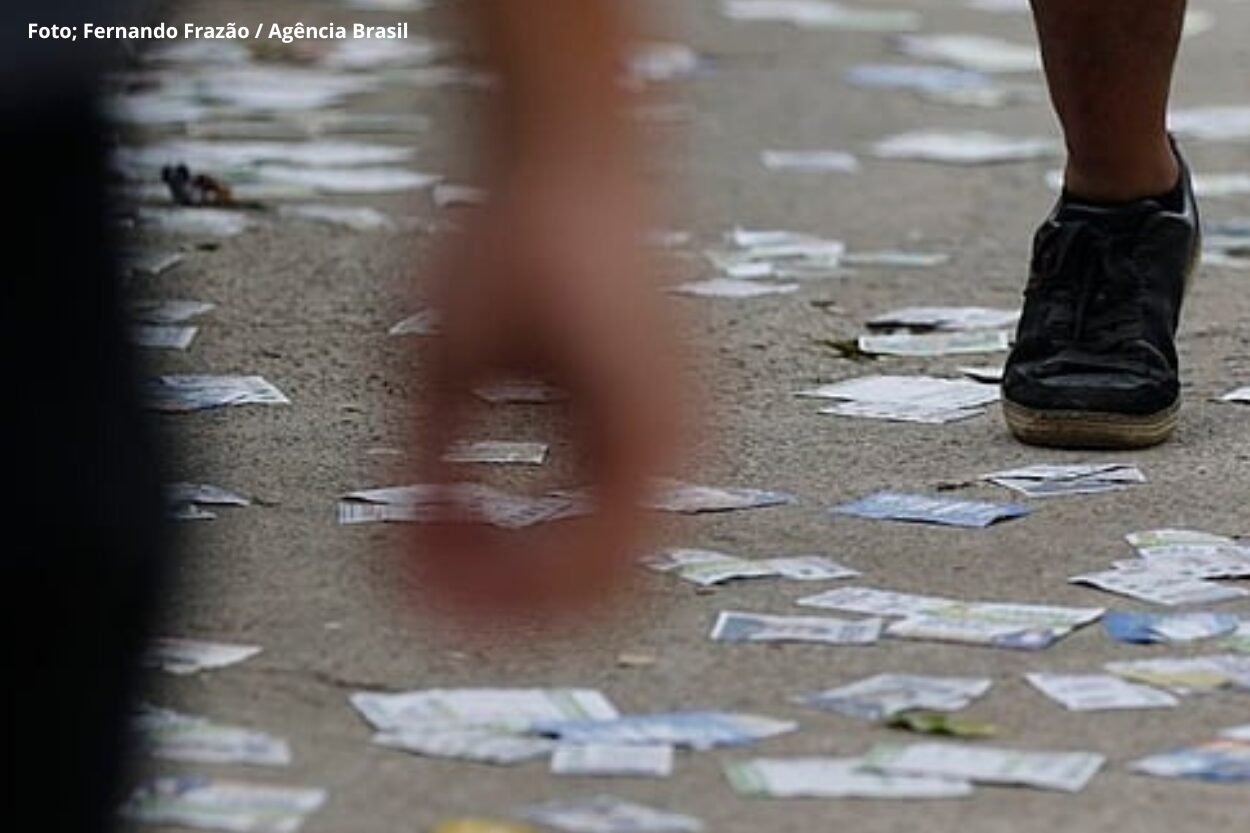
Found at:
(549, 280)
(1109, 65)
(1095, 361)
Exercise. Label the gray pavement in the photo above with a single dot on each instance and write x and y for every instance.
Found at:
(309, 308)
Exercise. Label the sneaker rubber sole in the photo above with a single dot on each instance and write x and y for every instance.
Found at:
(1090, 429)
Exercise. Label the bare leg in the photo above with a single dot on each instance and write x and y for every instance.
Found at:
(1109, 65)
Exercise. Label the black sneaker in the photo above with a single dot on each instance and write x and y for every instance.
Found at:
(1094, 364)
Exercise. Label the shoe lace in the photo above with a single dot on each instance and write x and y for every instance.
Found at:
(1091, 286)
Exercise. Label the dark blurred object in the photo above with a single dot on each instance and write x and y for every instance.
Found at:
(81, 564)
(200, 190)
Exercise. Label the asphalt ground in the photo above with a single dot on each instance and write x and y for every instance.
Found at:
(309, 307)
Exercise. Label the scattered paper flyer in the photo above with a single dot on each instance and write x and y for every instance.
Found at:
(733, 288)
(963, 147)
(182, 393)
(1150, 628)
(735, 626)
(708, 567)
(205, 493)
(1237, 732)
(158, 311)
(920, 78)
(895, 506)
(1232, 184)
(896, 259)
(809, 568)
(1238, 395)
(985, 374)
(688, 498)
(466, 743)
(1226, 760)
(179, 737)
(1238, 640)
(1159, 586)
(833, 778)
(751, 238)
(350, 514)
(667, 238)
(613, 760)
(354, 217)
(944, 85)
(359, 54)
(246, 88)
(427, 322)
(949, 319)
(1099, 692)
(1182, 675)
(227, 155)
(999, 6)
(873, 602)
(906, 398)
(186, 501)
(1149, 540)
(150, 264)
(213, 804)
(1199, 561)
(992, 624)
(190, 656)
(886, 695)
(975, 52)
(900, 412)
(822, 14)
(810, 161)
(163, 336)
(190, 512)
(445, 75)
(1051, 480)
(605, 814)
(935, 344)
(982, 625)
(688, 729)
(465, 502)
(448, 195)
(355, 180)
(325, 122)
(511, 709)
(1061, 771)
(777, 253)
(928, 391)
(1232, 237)
(658, 62)
(1215, 123)
(497, 451)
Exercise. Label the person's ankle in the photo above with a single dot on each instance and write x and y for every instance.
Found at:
(1122, 180)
